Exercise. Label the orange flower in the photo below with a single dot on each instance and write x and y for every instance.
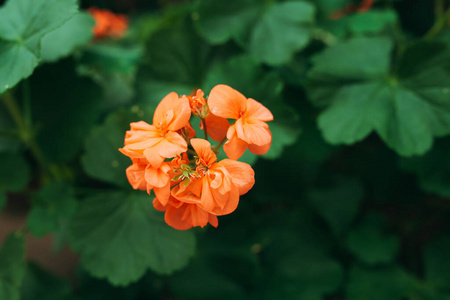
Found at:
(219, 184)
(143, 176)
(193, 188)
(216, 127)
(198, 105)
(364, 6)
(183, 216)
(108, 24)
(159, 141)
(136, 175)
(250, 129)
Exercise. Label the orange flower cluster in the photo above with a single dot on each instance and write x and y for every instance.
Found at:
(363, 7)
(108, 24)
(189, 184)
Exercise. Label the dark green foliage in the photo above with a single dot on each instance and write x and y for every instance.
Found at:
(24, 23)
(39, 284)
(14, 173)
(52, 206)
(350, 203)
(131, 237)
(12, 266)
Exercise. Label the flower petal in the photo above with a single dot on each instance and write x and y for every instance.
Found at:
(213, 220)
(226, 102)
(253, 131)
(217, 127)
(157, 177)
(203, 149)
(259, 150)
(158, 206)
(140, 137)
(189, 194)
(172, 113)
(257, 111)
(242, 174)
(136, 176)
(186, 216)
(234, 147)
(162, 193)
(170, 146)
(231, 203)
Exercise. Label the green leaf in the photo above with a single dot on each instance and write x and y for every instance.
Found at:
(112, 57)
(51, 206)
(406, 110)
(76, 32)
(372, 21)
(247, 76)
(391, 283)
(220, 21)
(310, 146)
(321, 276)
(102, 159)
(338, 204)
(301, 265)
(129, 237)
(432, 169)
(12, 266)
(14, 173)
(22, 25)
(201, 281)
(39, 284)
(370, 244)
(437, 262)
(64, 107)
(113, 65)
(273, 32)
(326, 8)
(284, 29)
(177, 61)
(359, 59)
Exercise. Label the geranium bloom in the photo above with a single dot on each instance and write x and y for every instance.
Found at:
(159, 141)
(250, 129)
(143, 176)
(108, 24)
(183, 216)
(216, 126)
(219, 184)
(190, 185)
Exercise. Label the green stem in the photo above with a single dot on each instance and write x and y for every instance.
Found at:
(439, 25)
(216, 147)
(205, 129)
(25, 132)
(27, 102)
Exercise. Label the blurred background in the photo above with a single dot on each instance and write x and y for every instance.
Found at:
(352, 202)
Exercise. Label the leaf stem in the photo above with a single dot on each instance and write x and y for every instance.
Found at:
(27, 102)
(25, 132)
(439, 24)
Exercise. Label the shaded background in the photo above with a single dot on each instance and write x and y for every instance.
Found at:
(352, 201)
